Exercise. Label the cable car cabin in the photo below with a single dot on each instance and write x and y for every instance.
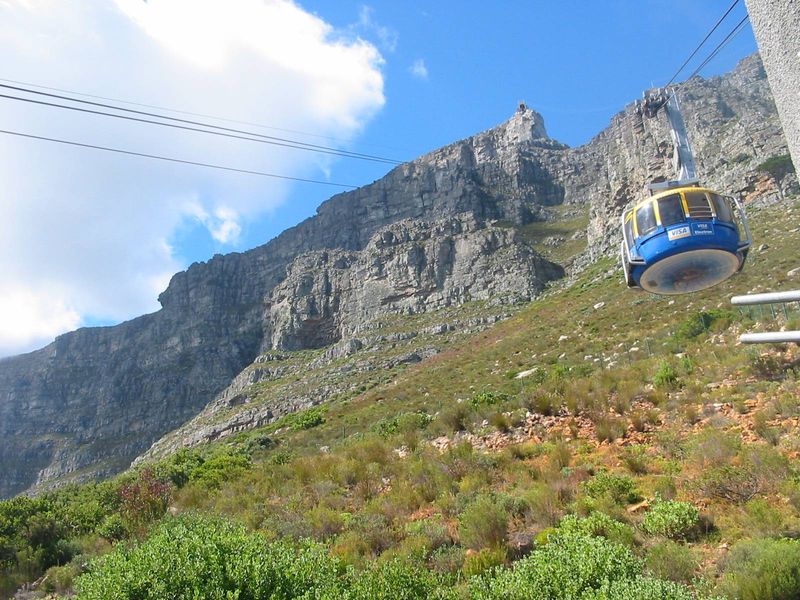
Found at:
(683, 240)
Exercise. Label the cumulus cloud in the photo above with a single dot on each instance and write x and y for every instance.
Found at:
(86, 234)
(386, 36)
(419, 69)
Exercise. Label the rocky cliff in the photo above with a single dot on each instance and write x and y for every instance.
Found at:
(440, 230)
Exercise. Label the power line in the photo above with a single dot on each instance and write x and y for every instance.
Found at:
(734, 32)
(175, 160)
(183, 112)
(700, 45)
(277, 141)
(187, 128)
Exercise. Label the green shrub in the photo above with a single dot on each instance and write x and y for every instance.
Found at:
(483, 524)
(609, 428)
(220, 467)
(619, 488)
(482, 561)
(642, 588)
(402, 423)
(693, 326)
(762, 569)
(636, 459)
(671, 519)
(487, 398)
(307, 419)
(673, 561)
(199, 557)
(666, 376)
(391, 580)
(598, 524)
(568, 566)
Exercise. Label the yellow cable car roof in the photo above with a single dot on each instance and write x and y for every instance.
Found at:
(669, 192)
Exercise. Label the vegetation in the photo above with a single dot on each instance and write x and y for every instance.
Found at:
(620, 463)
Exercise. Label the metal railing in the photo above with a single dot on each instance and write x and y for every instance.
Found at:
(768, 337)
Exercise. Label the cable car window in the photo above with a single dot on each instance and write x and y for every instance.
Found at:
(671, 210)
(722, 208)
(645, 219)
(699, 208)
(629, 231)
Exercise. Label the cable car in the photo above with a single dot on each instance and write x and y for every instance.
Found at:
(682, 238)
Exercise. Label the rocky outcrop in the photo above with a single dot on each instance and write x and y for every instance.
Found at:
(406, 268)
(439, 230)
(90, 402)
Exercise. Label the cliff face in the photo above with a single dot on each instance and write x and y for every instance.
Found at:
(434, 232)
(90, 402)
(732, 125)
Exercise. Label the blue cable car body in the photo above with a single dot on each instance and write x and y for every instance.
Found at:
(683, 238)
(703, 240)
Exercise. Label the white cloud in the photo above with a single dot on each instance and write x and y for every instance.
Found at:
(85, 233)
(386, 36)
(26, 316)
(419, 69)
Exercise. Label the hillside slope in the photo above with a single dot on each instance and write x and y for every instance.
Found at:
(475, 220)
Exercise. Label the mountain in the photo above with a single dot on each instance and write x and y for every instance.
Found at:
(468, 223)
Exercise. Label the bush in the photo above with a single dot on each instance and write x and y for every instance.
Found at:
(390, 580)
(576, 566)
(307, 419)
(609, 428)
(671, 519)
(198, 557)
(598, 524)
(482, 561)
(669, 560)
(483, 524)
(762, 569)
(703, 321)
(402, 423)
(666, 376)
(619, 488)
(488, 399)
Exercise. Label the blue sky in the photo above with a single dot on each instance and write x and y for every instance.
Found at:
(576, 62)
(88, 238)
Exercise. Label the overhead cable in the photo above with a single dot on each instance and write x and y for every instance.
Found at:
(175, 160)
(734, 32)
(700, 45)
(218, 129)
(177, 111)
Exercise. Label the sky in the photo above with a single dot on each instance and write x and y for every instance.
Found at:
(91, 238)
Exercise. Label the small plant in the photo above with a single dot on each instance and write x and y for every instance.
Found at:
(145, 499)
(609, 429)
(619, 488)
(636, 459)
(483, 524)
(500, 421)
(762, 569)
(487, 398)
(673, 561)
(671, 519)
(307, 419)
(485, 559)
(666, 376)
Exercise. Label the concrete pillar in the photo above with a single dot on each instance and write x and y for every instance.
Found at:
(776, 24)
